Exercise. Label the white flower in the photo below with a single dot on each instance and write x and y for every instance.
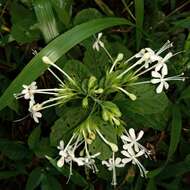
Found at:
(131, 156)
(161, 65)
(98, 43)
(159, 78)
(34, 110)
(88, 161)
(130, 139)
(29, 90)
(113, 163)
(147, 56)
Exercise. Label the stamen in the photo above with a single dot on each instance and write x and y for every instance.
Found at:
(130, 95)
(46, 60)
(113, 146)
(166, 46)
(119, 58)
(107, 52)
(114, 179)
(56, 76)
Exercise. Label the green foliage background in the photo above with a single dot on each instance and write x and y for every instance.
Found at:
(64, 30)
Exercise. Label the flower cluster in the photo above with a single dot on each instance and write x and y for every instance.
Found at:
(94, 95)
(132, 150)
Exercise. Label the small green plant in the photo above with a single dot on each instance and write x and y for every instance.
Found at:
(102, 116)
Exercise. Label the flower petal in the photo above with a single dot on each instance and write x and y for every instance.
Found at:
(166, 85)
(60, 162)
(160, 88)
(155, 81)
(125, 153)
(126, 160)
(156, 74)
(125, 138)
(132, 133)
(140, 135)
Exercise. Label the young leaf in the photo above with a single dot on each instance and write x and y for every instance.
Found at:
(34, 178)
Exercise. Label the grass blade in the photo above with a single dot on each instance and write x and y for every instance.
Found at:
(139, 13)
(54, 50)
(46, 19)
(175, 131)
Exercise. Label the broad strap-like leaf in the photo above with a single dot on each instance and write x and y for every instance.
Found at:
(56, 49)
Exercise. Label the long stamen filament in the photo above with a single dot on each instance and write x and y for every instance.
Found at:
(107, 52)
(46, 60)
(56, 76)
(114, 179)
(52, 100)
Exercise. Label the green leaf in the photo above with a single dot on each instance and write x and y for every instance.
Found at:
(185, 93)
(147, 102)
(54, 50)
(175, 130)
(76, 178)
(9, 174)
(43, 148)
(63, 127)
(76, 70)
(23, 24)
(34, 138)
(104, 7)
(34, 178)
(183, 23)
(63, 9)
(86, 15)
(14, 150)
(139, 13)
(46, 19)
(50, 183)
(98, 145)
(176, 169)
(156, 121)
(151, 185)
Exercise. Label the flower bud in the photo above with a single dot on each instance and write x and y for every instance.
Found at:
(132, 96)
(116, 121)
(99, 91)
(46, 60)
(105, 115)
(92, 135)
(89, 141)
(92, 82)
(114, 147)
(119, 57)
(85, 102)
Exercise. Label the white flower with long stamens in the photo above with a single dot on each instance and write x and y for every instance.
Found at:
(89, 161)
(159, 78)
(28, 91)
(161, 65)
(112, 164)
(130, 139)
(34, 110)
(131, 156)
(162, 80)
(98, 43)
(147, 56)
